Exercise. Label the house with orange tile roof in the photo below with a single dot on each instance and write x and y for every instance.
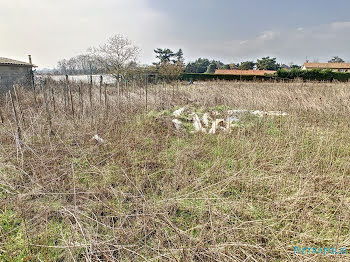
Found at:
(335, 67)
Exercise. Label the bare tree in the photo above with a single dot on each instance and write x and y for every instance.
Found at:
(86, 64)
(72, 66)
(117, 56)
(81, 64)
(62, 66)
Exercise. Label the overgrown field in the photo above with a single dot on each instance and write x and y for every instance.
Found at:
(149, 192)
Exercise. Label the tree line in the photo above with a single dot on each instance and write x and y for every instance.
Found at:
(204, 65)
(118, 57)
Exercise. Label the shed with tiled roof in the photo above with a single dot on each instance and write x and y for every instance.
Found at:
(15, 72)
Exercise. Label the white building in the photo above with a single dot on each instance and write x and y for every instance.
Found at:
(335, 67)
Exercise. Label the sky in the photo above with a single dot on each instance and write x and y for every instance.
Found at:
(227, 30)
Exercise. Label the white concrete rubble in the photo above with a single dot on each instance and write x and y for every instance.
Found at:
(232, 118)
(98, 139)
(178, 112)
(177, 123)
(197, 124)
(218, 124)
(205, 119)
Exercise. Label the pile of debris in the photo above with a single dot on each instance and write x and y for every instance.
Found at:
(211, 123)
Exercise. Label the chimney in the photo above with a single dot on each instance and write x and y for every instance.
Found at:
(30, 59)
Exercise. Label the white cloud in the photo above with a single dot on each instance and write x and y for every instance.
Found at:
(317, 42)
(268, 35)
(52, 30)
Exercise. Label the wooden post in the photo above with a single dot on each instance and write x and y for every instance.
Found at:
(155, 94)
(146, 92)
(71, 99)
(118, 93)
(21, 119)
(53, 99)
(101, 83)
(106, 101)
(65, 92)
(33, 84)
(48, 115)
(91, 104)
(19, 136)
(81, 97)
(1, 116)
(90, 93)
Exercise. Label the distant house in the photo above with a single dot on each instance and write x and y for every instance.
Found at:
(243, 72)
(14, 72)
(335, 67)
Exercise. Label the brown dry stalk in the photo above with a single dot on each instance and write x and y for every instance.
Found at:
(149, 192)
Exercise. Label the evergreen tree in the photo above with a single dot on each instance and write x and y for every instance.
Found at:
(179, 57)
(336, 59)
(164, 55)
(247, 65)
(267, 63)
(199, 66)
(211, 68)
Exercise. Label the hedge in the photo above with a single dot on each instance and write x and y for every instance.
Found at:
(204, 77)
(282, 74)
(314, 74)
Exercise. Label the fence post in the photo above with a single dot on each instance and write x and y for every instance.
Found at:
(65, 92)
(106, 101)
(101, 83)
(81, 97)
(146, 91)
(19, 136)
(21, 119)
(53, 99)
(48, 115)
(90, 93)
(32, 82)
(71, 99)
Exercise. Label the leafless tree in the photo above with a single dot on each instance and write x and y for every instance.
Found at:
(62, 66)
(117, 56)
(81, 64)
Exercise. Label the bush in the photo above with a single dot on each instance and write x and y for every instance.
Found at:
(205, 77)
(315, 74)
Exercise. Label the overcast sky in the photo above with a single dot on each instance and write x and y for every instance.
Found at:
(229, 30)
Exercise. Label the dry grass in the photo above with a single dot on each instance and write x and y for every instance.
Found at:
(150, 193)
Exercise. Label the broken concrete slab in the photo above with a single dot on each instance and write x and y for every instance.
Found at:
(177, 124)
(178, 112)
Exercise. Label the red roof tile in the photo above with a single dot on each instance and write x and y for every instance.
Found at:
(327, 65)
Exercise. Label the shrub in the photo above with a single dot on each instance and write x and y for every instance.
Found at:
(314, 74)
(205, 77)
